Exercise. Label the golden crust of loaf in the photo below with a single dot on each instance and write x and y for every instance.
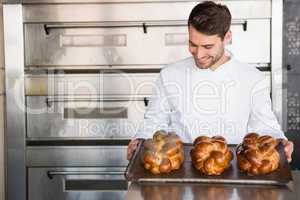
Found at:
(163, 153)
(258, 154)
(211, 156)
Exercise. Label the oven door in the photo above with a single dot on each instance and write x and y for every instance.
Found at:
(89, 45)
(99, 106)
(84, 117)
(76, 183)
(68, 171)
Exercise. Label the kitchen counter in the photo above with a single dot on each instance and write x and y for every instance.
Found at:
(156, 191)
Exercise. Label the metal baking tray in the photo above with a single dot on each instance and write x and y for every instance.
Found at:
(135, 172)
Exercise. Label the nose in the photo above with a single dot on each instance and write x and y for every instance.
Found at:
(199, 53)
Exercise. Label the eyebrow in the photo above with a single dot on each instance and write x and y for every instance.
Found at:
(206, 45)
(192, 43)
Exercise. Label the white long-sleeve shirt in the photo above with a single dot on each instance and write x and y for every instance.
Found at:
(231, 101)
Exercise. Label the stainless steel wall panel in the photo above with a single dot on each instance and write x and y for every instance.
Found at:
(15, 102)
(80, 156)
(1, 37)
(2, 106)
(2, 72)
(2, 150)
(2, 112)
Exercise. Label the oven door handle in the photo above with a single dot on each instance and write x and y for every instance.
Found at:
(50, 100)
(243, 23)
(51, 174)
(130, 24)
(104, 183)
(144, 25)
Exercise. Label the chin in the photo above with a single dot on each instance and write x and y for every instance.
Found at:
(202, 66)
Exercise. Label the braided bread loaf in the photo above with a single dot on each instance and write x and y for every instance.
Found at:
(163, 153)
(258, 154)
(211, 156)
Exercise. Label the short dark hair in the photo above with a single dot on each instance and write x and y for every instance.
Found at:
(210, 18)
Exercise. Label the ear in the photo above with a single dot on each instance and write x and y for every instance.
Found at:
(227, 38)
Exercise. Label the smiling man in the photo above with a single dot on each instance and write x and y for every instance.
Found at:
(208, 35)
(210, 93)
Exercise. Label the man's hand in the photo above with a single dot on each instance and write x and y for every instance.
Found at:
(131, 148)
(288, 149)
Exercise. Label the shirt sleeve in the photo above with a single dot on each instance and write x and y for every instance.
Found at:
(157, 113)
(262, 119)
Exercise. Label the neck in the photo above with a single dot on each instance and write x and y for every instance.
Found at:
(220, 62)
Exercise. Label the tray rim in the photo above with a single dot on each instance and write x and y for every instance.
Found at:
(206, 181)
(132, 160)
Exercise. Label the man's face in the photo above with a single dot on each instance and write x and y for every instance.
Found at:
(206, 50)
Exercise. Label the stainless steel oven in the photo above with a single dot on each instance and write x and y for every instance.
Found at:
(79, 75)
(89, 170)
(77, 129)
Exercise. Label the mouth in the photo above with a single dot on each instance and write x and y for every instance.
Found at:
(203, 61)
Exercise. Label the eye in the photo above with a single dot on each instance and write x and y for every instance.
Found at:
(207, 47)
(192, 44)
